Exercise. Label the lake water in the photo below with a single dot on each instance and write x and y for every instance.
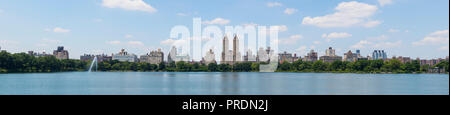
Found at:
(155, 83)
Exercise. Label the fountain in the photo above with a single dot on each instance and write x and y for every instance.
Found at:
(92, 64)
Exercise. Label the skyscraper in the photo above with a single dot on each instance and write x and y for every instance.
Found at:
(379, 55)
(230, 56)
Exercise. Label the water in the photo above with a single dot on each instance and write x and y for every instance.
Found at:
(153, 83)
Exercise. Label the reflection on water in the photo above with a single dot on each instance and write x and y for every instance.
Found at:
(136, 83)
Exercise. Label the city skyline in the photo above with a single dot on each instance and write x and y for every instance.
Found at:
(403, 28)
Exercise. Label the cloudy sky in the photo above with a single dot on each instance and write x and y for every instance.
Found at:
(414, 28)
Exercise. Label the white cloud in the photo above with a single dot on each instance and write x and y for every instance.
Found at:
(172, 42)
(135, 43)
(133, 5)
(46, 40)
(361, 44)
(8, 42)
(128, 36)
(387, 44)
(347, 14)
(113, 42)
(316, 42)
(385, 2)
(250, 24)
(379, 38)
(1, 11)
(290, 11)
(274, 4)
(393, 30)
(219, 21)
(335, 35)
(301, 50)
(371, 24)
(58, 30)
(291, 40)
(182, 14)
(282, 28)
(438, 37)
(98, 20)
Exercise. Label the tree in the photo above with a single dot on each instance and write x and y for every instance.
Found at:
(162, 66)
(212, 67)
(285, 66)
(255, 66)
(319, 66)
(224, 67)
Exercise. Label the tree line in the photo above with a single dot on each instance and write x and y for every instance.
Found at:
(25, 63)
(361, 66)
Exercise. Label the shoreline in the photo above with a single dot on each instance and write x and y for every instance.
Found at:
(220, 72)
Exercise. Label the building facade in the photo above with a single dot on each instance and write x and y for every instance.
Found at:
(350, 56)
(175, 57)
(230, 56)
(210, 57)
(285, 57)
(379, 55)
(330, 56)
(60, 53)
(154, 57)
(311, 56)
(124, 56)
(100, 58)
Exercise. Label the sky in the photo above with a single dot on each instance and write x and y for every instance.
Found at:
(411, 28)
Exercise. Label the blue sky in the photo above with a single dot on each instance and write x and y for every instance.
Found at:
(414, 28)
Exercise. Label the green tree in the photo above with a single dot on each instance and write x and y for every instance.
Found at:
(212, 67)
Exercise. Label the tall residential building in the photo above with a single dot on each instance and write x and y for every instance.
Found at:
(123, 56)
(60, 53)
(330, 56)
(210, 57)
(154, 57)
(249, 57)
(262, 55)
(379, 55)
(285, 57)
(236, 54)
(230, 56)
(330, 52)
(311, 56)
(350, 56)
(175, 57)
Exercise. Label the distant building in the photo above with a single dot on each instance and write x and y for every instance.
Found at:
(249, 57)
(60, 53)
(379, 55)
(100, 58)
(230, 56)
(311, 56)
(154, 57)
(32, 53)
(330, 56)
(295, 58)
(175, 57)
(350, 56)
(210, 57)
(123, 56)
(285, 57)
(402, 59)
(262, 55)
